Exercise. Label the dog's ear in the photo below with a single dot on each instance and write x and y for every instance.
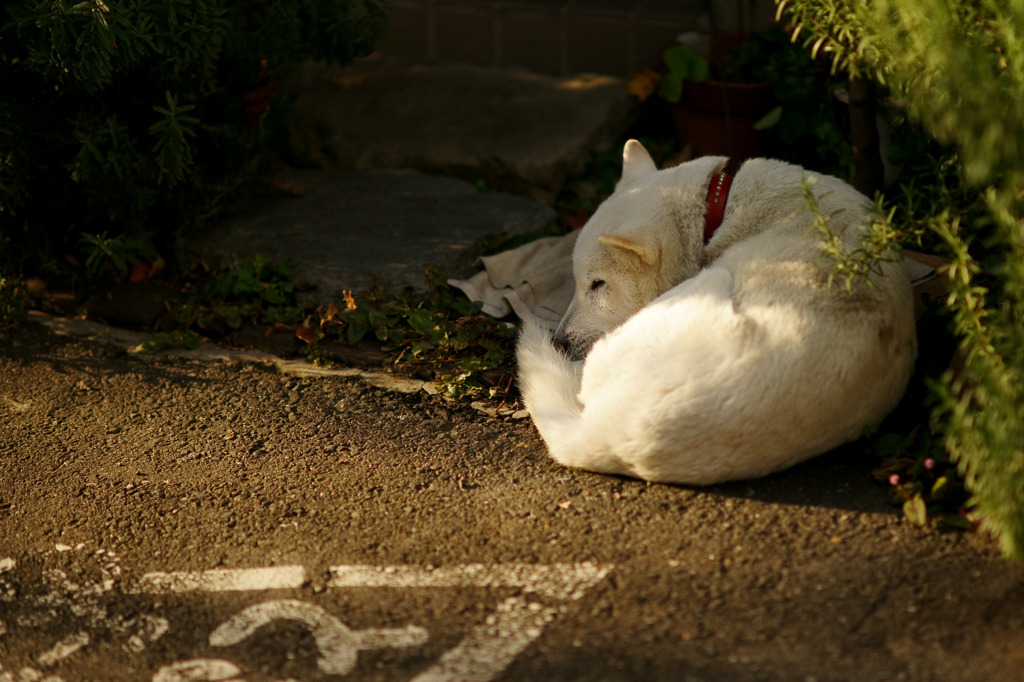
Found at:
(636, 163)
(647, 253)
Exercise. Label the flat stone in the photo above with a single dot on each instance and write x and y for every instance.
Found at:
(519, 131)
(348, 229)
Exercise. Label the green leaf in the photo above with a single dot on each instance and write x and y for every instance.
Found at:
(683, 64)
(940, 488)
(769, 120)
(422, 321)
(377, 319)
(915, 510)
(889, 444)
(356, 331)
(232, 315)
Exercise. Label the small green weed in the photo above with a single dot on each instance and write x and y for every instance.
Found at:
(105, 255)
(442, 334)
(923, 481)
(445, 331)
(251, 293)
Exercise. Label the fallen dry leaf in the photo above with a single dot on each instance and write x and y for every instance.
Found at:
(291, 188)
(277, 328)
(308, 331)
(350, 301)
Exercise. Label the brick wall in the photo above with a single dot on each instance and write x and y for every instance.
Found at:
(548, 36)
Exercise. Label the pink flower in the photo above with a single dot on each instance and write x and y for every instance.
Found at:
(929, 463)
(894, 479)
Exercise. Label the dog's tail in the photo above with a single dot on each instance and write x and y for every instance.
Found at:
(550, 383)
(548, 380)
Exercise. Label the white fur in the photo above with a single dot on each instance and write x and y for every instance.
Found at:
(707, 364)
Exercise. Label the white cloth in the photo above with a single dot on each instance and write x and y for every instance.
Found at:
(534, 281)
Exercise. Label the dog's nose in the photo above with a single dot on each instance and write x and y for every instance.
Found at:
(561, 342)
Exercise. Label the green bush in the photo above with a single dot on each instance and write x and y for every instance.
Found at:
(959, 68)
(140, 117)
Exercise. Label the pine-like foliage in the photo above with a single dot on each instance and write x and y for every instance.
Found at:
(959, 67)
(139, 117)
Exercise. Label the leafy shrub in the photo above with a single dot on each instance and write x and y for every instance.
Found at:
(957, 68)
(140, 117)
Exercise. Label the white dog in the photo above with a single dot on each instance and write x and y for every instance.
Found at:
(707, 362)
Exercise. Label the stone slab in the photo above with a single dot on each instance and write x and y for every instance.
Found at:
(350, 228)
(519, 131)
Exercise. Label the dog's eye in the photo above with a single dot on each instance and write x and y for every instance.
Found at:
(596, 284)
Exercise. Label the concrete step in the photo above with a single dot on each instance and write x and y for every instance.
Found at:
(350, 229)
(516, 130)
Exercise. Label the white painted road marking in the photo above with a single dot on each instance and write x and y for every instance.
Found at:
(198, 670)
(490, 647)
(63, 649)
(560, 581)
(338, 646)
(224, 580)
(484, 653)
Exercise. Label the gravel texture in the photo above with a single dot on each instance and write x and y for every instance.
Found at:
(185, 465)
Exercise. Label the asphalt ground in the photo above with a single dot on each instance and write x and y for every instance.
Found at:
(174, 519)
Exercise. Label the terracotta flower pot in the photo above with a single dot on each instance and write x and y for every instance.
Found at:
(718, 118)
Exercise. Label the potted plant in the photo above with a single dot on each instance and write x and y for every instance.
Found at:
(716, 107)
(744, 95)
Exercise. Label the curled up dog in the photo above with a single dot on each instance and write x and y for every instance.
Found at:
(693, 358)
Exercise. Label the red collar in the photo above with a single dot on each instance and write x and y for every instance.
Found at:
(718, 194)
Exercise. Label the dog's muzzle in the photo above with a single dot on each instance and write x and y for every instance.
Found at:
(561, 342)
